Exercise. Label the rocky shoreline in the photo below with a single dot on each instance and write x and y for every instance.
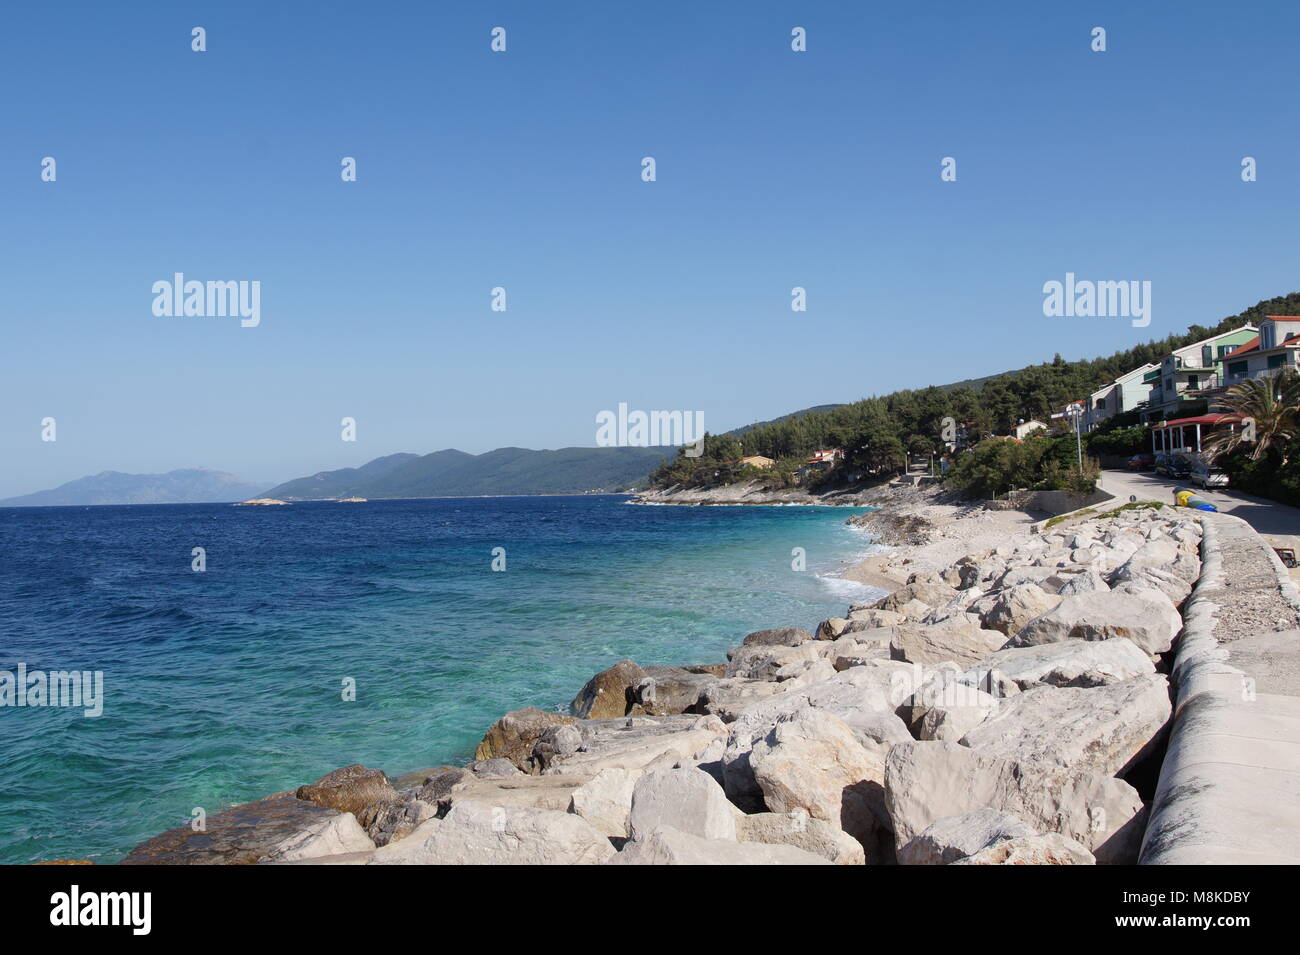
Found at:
(753, 492)
(1005, 706)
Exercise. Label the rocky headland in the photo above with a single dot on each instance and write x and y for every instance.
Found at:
(755, 492)
(1004, 705)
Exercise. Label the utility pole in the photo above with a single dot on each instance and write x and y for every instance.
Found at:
(1075, 411)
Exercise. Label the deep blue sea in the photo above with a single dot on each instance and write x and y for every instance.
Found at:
(227, 685)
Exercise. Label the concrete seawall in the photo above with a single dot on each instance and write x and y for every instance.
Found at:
(1229, 788)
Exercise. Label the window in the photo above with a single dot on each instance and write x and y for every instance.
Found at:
(1276, 361)
(1193, 382)
(1207, 354)
(1237, 369)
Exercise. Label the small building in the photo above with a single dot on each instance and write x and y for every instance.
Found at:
(758, 461)
(821, 460)
(1182, 383)
(1188, 435)
(1276, 347)
(1026, 428)
(1125, 393)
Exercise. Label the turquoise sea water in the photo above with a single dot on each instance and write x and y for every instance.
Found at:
(226, 685)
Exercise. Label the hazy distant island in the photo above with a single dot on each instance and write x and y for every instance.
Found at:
(183, 486)
(447, 473)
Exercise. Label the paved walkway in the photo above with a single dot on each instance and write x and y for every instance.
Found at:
(1229, 789)
(1278, 523)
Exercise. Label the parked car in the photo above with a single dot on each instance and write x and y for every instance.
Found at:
(1207, 476)
(1179, 468)
(1141, 462)
(1161, 464)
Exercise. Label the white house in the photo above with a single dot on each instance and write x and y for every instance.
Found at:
(1277, 346)
(1123, 394)
(1026, 428)
(1182, 383)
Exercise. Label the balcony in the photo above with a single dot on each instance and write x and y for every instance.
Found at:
(1261, 373)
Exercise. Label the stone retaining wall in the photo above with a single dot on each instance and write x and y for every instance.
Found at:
(1229, 789)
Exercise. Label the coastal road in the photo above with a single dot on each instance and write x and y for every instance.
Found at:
(1277, 523)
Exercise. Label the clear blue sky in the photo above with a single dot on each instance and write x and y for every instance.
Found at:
(522, 170)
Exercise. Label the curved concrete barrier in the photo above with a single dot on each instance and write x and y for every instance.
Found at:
(1229, 789)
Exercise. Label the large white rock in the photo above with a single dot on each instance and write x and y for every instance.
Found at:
(812, 761)
(1008, 610)
(606, 800)
(952, 722)
(729, 698)
(335, 834)
(1104, 729)
(668, 846)
(955, 639)
(1148, 619)
(946, 840)
(479, 834)
(929, 781)
(761, 661)
(1077, 663)
(873, 618)
(1050, 848)
(802, 831)
(686, 799)
(636, 743)
(864, 698)
(1088, 582)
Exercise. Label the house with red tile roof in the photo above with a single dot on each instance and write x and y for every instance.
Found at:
(1183, 383)
(1277, 346)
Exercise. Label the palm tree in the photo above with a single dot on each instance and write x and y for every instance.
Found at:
(1272, 404)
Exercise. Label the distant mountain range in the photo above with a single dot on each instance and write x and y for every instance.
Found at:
(453, 473)
(448, 473)
(185, 486)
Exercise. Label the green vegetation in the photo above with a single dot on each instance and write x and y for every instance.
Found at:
(453, 473)
(1134, 506)
(1269, 463)
(1071, 516)
(1038, 463)
(878, 433)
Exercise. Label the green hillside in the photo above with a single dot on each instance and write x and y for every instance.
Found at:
(452, 473)
(877, 433)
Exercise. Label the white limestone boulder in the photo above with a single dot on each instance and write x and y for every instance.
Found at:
(687, 799)
(334, 834)
(1149, 619)
(926, 781)
(812, 761)
(946, 840)
(605, 800)
(1007, 611)
(1049, 848)
(1104, 729)
(956, 640)
(1076, 663)
(802, 831)
(668, 846)
(480, 834)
